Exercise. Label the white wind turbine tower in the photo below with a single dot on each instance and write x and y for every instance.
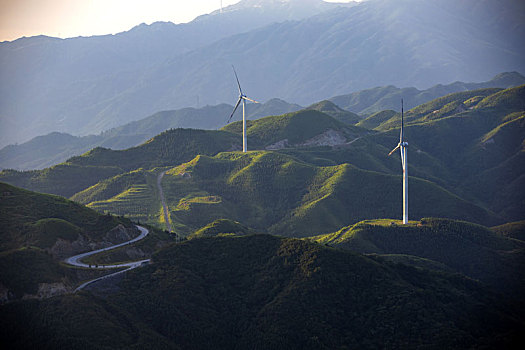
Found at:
(403, 145)
(242, 98)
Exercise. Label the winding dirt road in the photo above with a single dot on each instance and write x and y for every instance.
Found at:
(76, 260)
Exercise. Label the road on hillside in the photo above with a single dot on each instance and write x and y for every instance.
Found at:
(76, 260)
(164, 205)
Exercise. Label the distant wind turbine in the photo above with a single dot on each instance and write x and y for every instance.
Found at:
(242, 98)
(403, 145)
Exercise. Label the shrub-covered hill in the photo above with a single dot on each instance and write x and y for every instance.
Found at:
(305, 128)
(276, 193)
(512, 230)
(441, 107)
(377, 119)
(470, 249)
(221, 227)
(500, 102)
(478, 146)
(335, 111)
(78, 173)
(37, 231)
(267, 292)
(35, 219)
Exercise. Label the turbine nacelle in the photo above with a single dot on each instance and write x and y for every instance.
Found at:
(242, 97)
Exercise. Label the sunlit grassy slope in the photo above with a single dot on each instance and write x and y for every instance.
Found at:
(132, 194)
(277, 193)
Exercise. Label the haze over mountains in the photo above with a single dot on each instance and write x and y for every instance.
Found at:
(295, 243)
(87, 85)
(47, 150)
(310, 173)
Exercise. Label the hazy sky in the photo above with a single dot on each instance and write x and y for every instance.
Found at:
(69, 18)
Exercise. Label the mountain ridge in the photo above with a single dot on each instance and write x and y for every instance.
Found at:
(28, 157)
(308, 50)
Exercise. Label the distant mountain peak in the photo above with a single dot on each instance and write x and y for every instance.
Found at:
(303, 8)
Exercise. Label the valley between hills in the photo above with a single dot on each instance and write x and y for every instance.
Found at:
(295, 244)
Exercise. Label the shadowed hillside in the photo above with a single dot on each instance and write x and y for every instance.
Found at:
(472, 250)
(270, 293)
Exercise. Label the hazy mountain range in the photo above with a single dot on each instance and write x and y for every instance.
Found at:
(297, 243)
(315, 51)
(47, 150)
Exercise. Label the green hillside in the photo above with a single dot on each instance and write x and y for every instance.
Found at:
(377, 119)
(277, 193)
(133, 194)
(370, 101)
(221, 227)
(297, 129)
(441, 107)
(336, 112)
(472, 250)
(39, 231)
(78, 173)
(23, 270)
(35, 219)
(512, 230)
(170, 147)
(63, 179)
(486, 169)
(269, 293)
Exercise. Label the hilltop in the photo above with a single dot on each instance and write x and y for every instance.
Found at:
(370, 101)
(305, 128)
(469, 249)
(269, 292)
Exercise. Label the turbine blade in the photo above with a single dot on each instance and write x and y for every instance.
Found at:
(402, 122)
(249, 99)
(237, 78)
(395, 149)
(235, 109)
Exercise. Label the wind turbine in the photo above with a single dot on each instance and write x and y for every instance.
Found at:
(242, 98)
(403, 145)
